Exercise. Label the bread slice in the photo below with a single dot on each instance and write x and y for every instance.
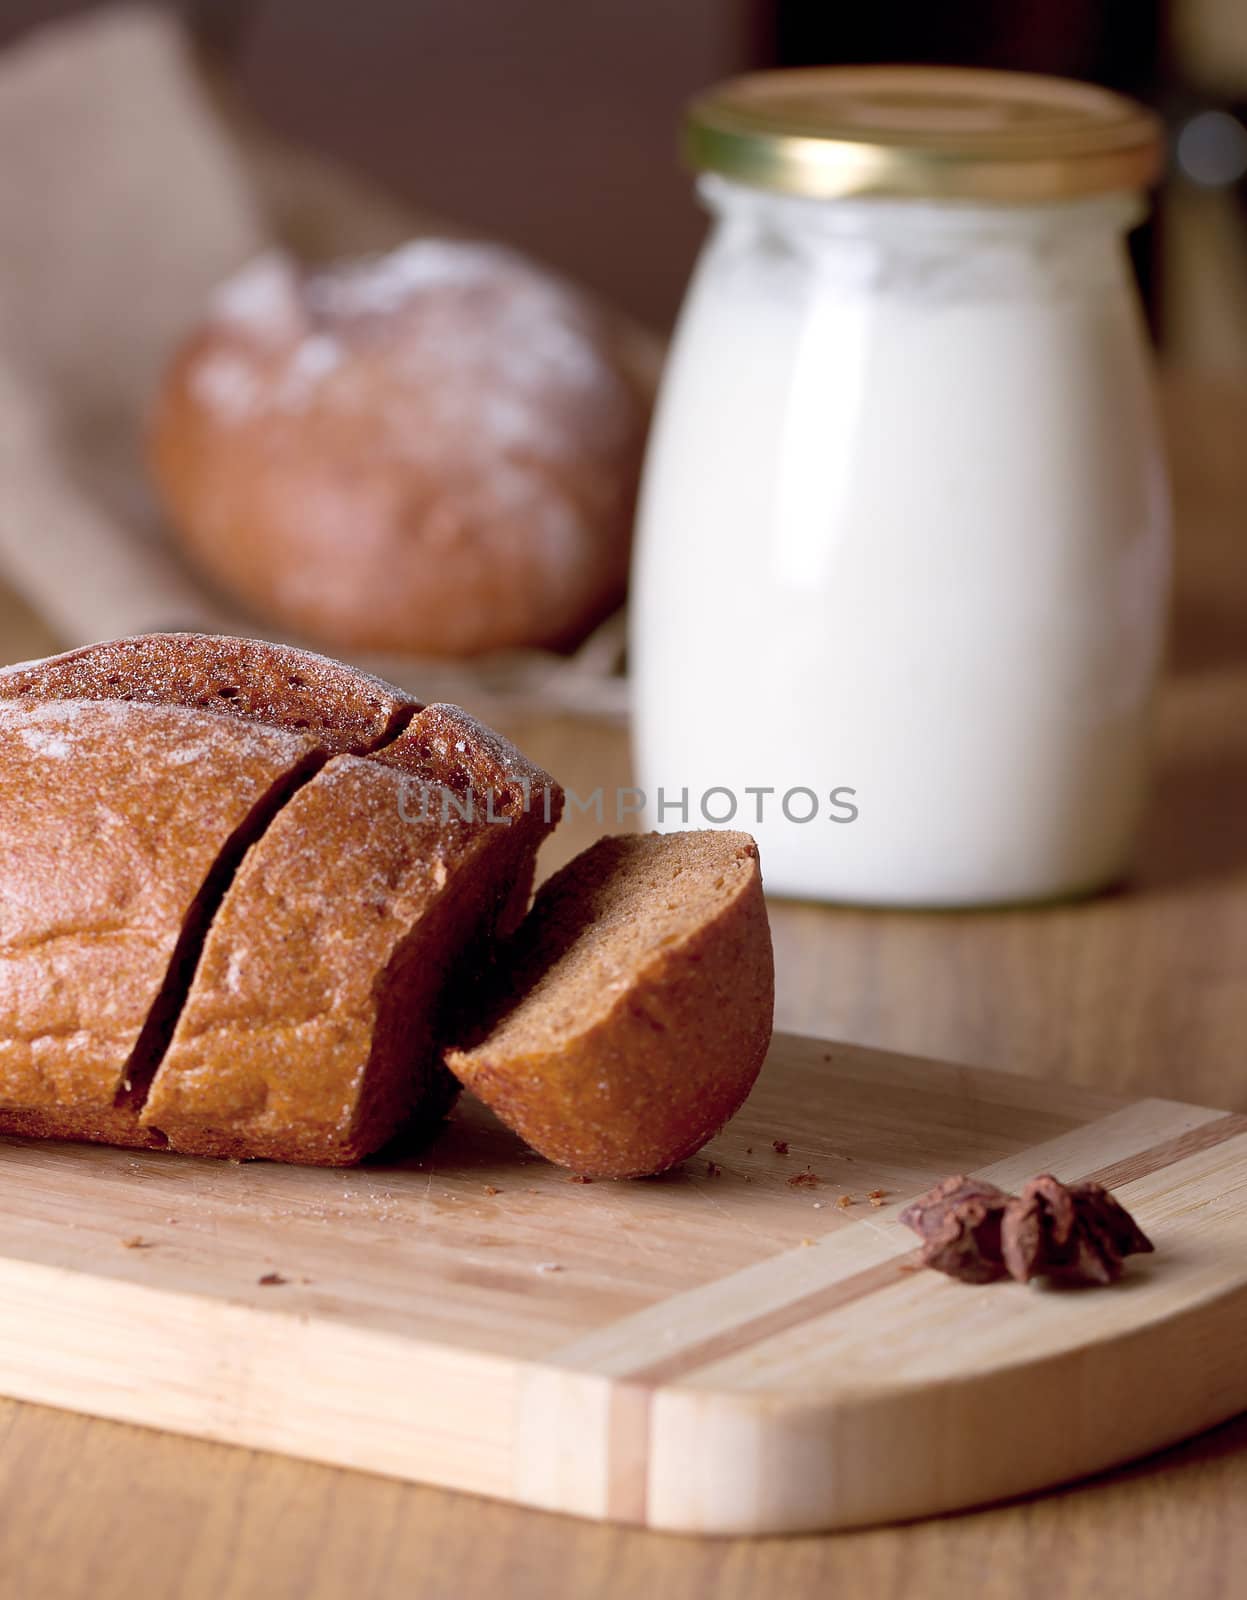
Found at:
(311, 1030)
(117, 825)
(342, 708)
(633, 1009)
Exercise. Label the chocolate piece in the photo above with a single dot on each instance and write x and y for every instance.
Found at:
(976, 1233)
(1076, 1233)
(960, 1225)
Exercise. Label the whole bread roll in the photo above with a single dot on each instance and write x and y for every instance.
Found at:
(433, 452)
(633, 1009)
(141, 842)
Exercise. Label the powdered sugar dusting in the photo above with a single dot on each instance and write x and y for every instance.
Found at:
(35, 713)
(62, 728)
(263, 297)
(380, 285)
(490, 342)
(235, 969)
(226, 384)
(45, 744)
(314, 358)
(483, 342)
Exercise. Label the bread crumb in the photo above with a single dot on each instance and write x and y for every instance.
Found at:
(804, 1180)
(270, 1279)
(818, 1205)
(492, 1189)
(806, 1242)
(713, 1169)
(748, 1149)
(137, 1242)
(578, 1177)
(876, 1194)
(549, 1266)
(780, 1146)
(844, 1201)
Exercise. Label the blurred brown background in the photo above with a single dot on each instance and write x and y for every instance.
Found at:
(552, 123)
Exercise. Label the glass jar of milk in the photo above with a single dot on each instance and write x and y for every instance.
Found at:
(903, 555)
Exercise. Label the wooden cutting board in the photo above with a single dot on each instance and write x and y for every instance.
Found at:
(721, 1350)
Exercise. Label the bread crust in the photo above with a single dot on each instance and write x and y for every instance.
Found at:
(112, 820)
(434, 453)
(637, 1083)
(277, 685)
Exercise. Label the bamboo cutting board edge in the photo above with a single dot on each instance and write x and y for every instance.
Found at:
(810, 1387)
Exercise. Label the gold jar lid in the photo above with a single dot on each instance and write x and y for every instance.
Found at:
(934, 132)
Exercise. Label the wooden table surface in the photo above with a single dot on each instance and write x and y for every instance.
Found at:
(1142, 991)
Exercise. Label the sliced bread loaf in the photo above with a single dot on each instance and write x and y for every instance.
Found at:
(633, 1008)
(308, 984)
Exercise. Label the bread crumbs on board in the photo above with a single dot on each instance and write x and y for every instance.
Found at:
(780, 1146)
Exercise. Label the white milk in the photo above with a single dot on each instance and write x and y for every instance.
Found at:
(904, 532)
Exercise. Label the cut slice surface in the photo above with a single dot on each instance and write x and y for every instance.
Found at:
(115, 820)
(634, 1006)
(250, 679)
